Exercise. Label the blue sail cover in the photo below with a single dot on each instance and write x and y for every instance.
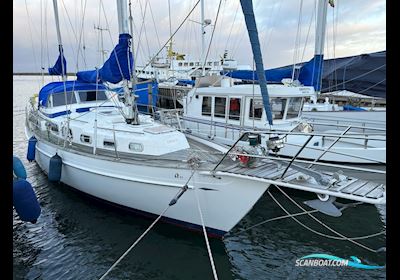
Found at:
(309, 74)
(58, 87)
(119, 65)
(58, 68)
(247, 8)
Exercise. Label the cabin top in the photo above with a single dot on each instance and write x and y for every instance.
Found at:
(277, 90)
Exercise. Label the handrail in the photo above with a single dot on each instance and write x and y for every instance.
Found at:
(280, 131)
(345, 125)
(338, 153)
(296, 155)
(227, 152)
(333, 143)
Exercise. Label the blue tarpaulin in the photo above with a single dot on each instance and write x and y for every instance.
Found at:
(365, 73)
(142, 91)
(309, 73)
(58, 87)
(58, 68)
(118, 66)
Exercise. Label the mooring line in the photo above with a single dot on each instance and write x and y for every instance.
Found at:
(206, 238)
(342, 237)
(182, 190)
(134, 244)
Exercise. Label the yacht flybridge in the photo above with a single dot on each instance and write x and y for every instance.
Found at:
(82, 135)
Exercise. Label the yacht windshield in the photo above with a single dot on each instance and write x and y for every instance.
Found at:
(278, 107)
(59, 99)
(294, 107)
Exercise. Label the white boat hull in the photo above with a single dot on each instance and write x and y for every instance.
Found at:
(224, 201)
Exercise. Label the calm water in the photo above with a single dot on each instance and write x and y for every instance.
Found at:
(78, 238)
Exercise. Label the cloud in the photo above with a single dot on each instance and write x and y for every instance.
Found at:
(360, 27)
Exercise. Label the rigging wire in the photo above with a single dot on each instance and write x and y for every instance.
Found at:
(198, 1)
(81, 36)
(68, 33)
(212, 35)
(30, 26)
(154, 24)
(144, 26)
(233, 23)
(297, 41)
(308, 33)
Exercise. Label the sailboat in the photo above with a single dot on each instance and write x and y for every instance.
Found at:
(89, 139)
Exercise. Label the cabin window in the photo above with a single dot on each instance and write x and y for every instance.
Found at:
(191, 64)
(206, 106)
(85, 96)
(209, 63)
(180, 63)
(278, 107)
(108, 144)
(137, 147)
(256, 109)
(294, 107)
(86, 139)
(219, 107)
(185, 64)
(59, 98)
(197, 63)
(234, 108)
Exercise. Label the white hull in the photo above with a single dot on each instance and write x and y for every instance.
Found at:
(224, 202)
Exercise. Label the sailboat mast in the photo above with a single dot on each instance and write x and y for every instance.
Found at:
(319, 41)
(203, 38)
(55, 6)
(123, 27)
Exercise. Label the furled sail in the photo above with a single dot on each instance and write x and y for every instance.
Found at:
(60, 68)
(118, 67)
(247, 8)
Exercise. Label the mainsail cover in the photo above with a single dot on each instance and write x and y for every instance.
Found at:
(247, 8)
(60, 68)
(118, 67)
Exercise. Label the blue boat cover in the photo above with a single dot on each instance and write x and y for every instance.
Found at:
(119, 65)
(348, 107)
(58, 87)
(365, 73)
(247, 8)
(57, 69)
(309, 74)
(183, 82)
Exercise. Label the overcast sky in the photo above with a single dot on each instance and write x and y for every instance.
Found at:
(353, 27)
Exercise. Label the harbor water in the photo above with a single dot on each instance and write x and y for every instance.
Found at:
(77, 237)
